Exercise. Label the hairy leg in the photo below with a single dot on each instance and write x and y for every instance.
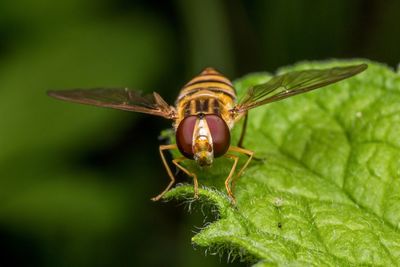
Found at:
(243, 133)
(195, 182)
(171, 176)
(247, 152)
(230, 176)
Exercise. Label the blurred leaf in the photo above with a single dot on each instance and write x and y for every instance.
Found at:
(81, 206)
(118, 54)
(209, 39)
(328, 193)
(42, 191)
(294, 30)
(41, 12)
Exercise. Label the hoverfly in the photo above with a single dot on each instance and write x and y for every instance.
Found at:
(206, 110)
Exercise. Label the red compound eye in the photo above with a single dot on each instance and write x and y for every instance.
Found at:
(220, 134)
(184, 136)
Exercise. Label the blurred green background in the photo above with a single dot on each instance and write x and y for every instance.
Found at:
(76, 181)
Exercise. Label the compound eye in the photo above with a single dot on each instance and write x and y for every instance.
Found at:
(184, 136)
(220, 134)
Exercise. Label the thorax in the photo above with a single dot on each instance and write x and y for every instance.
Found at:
(207, 102)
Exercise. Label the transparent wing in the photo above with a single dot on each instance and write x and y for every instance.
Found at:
(293, 83)
(118, 98)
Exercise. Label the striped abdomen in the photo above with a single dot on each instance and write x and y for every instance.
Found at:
(209, 93)
(211, 80)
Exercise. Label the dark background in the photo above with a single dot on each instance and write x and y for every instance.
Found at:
(75, 181)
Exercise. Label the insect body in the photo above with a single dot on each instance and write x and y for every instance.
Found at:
(204, 118)
(206, 110)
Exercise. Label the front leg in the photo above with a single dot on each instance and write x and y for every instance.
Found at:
(230, 176)
(171, 176)
(243, 132)
(195, 182)
(247, 152)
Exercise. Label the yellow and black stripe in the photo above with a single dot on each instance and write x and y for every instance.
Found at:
(202, 105)
(208, 79)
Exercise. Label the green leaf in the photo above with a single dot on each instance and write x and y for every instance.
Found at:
(328, 190)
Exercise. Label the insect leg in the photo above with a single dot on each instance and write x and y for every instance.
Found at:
(171, 176)
(247, 152)
(195, 182)
(243, 133)
(230, 176)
